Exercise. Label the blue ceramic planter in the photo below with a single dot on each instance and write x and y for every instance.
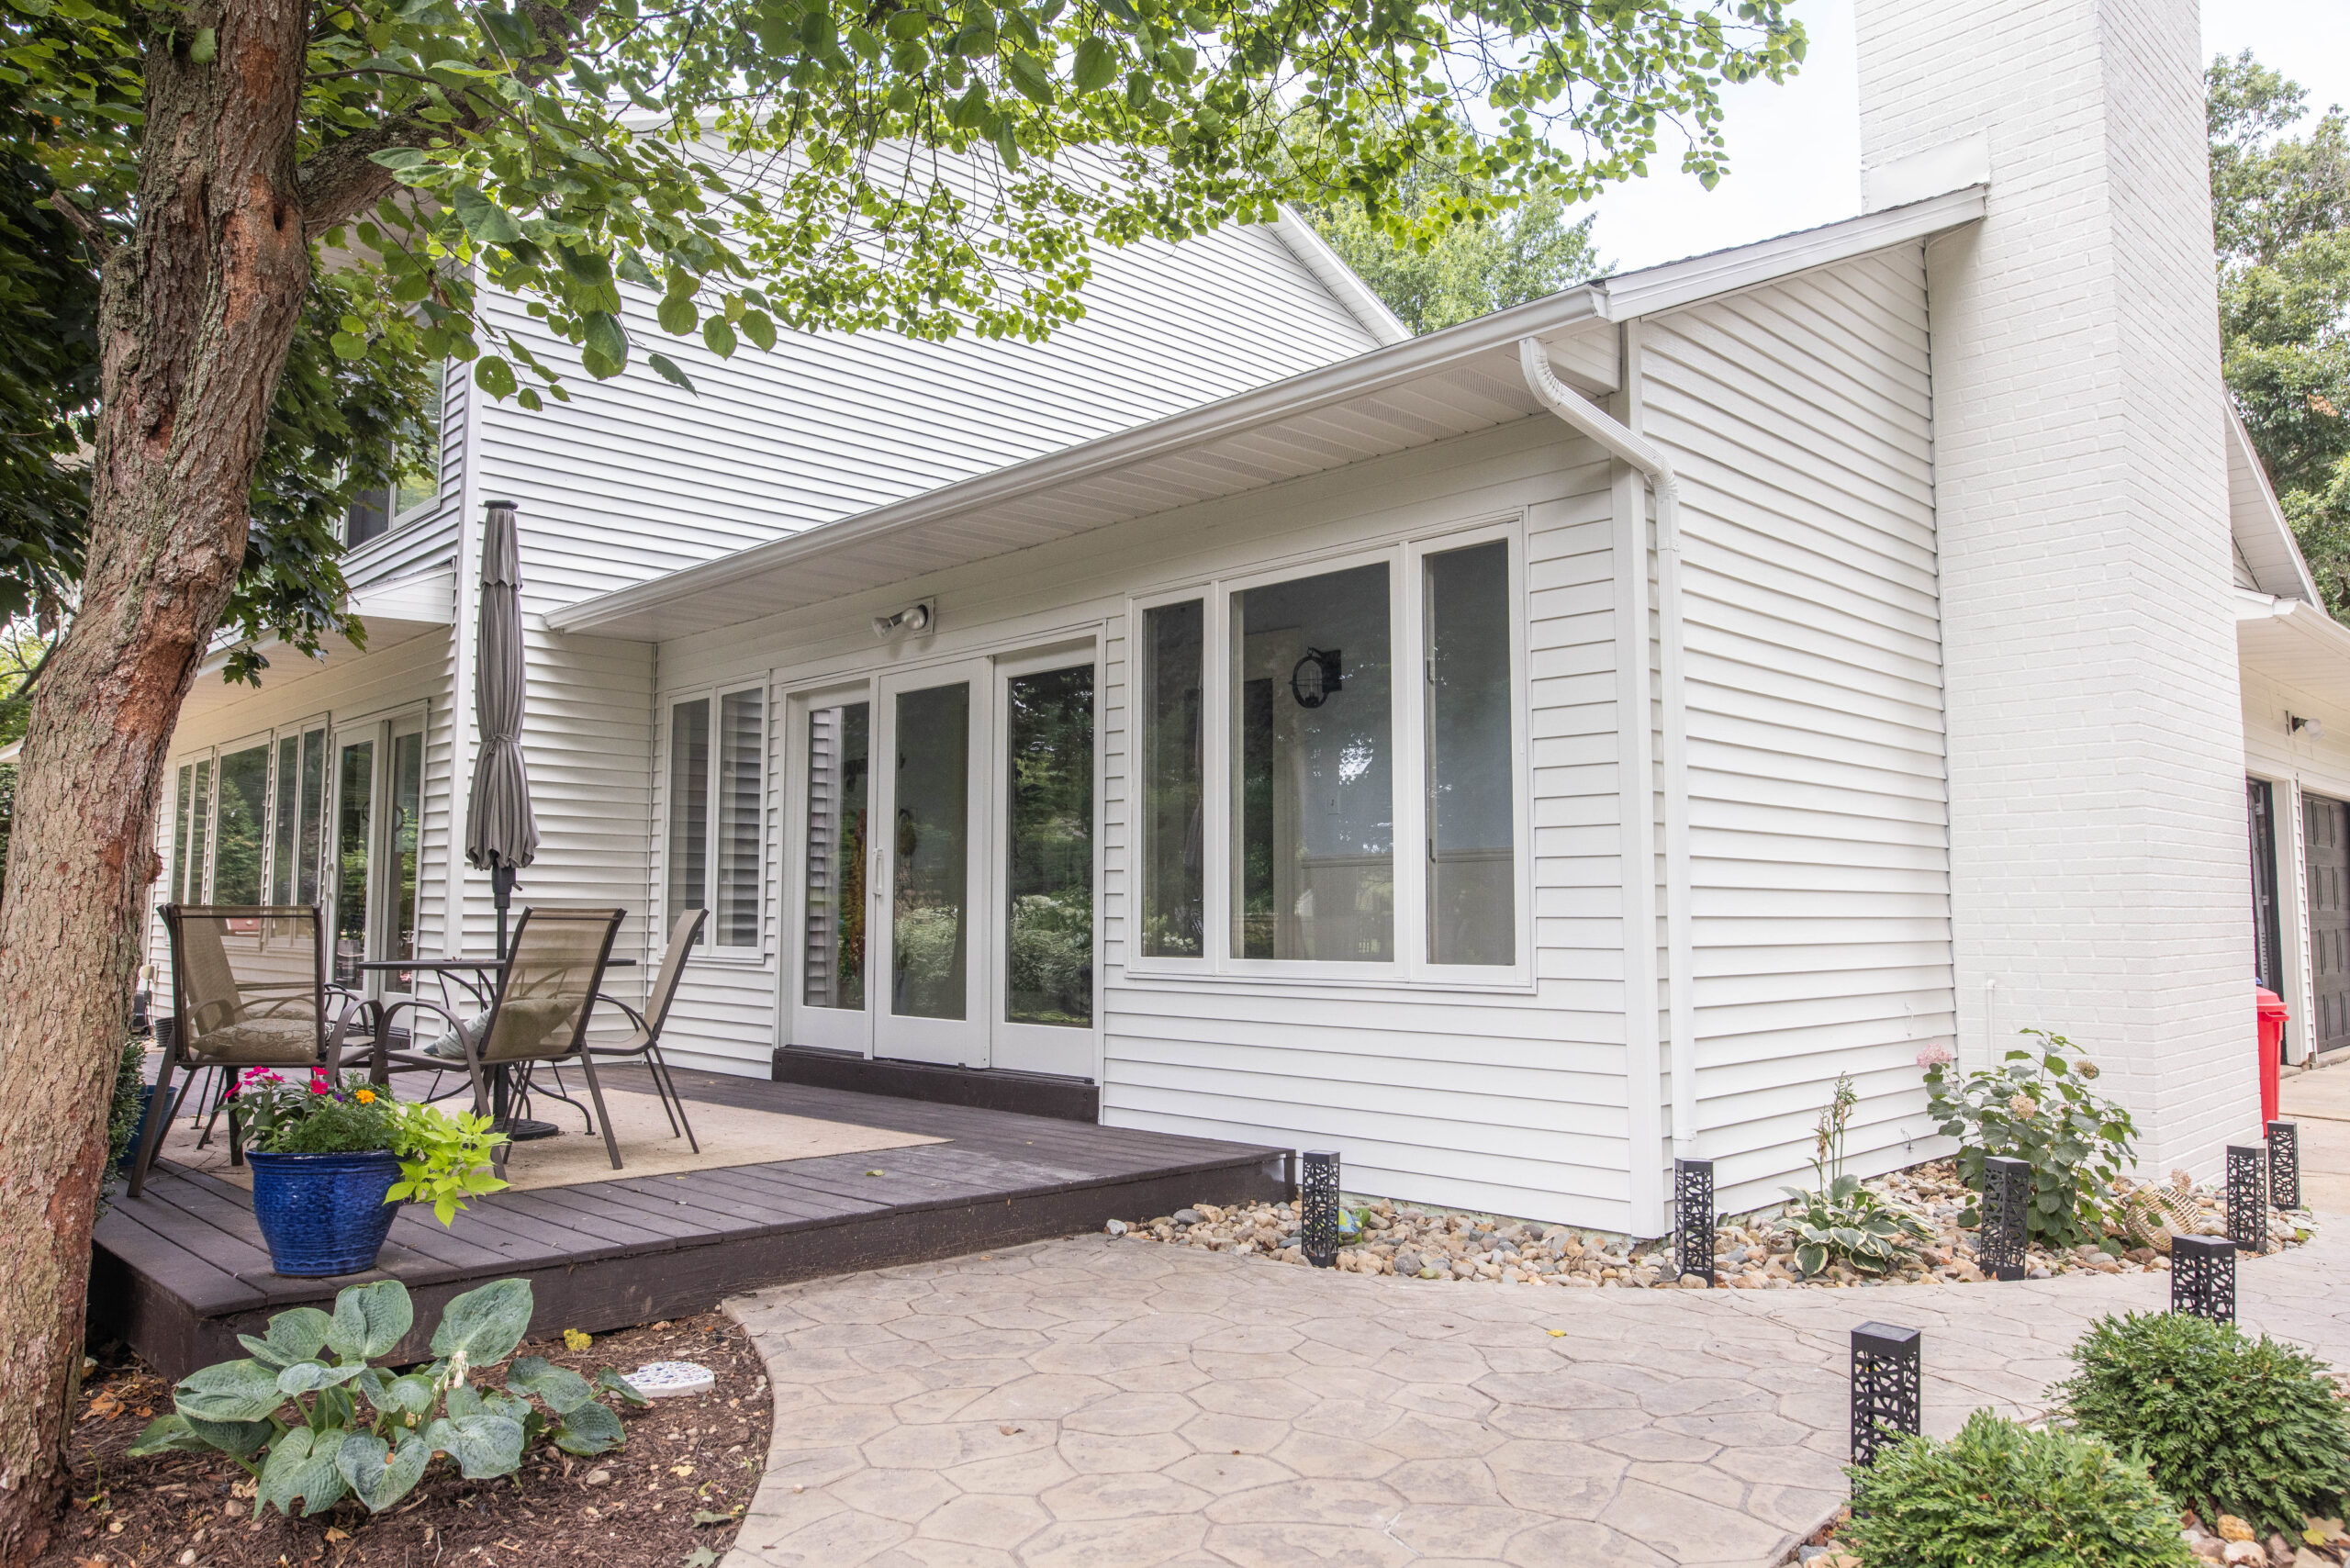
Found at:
(323, 1213)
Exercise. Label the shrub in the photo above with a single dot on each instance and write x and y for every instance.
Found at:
(2002, 1494)
(2043, 1113)
(298, 1422)
(2228, 1425)
(1839, 1219)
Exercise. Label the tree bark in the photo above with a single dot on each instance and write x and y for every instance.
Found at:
(197, 311)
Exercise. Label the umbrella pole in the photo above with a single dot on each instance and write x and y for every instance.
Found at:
(502, 883)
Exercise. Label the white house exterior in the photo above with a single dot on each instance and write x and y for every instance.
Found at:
(1509, 757)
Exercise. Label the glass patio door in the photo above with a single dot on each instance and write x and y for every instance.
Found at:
(832, 746)
(927, 989)
(1042, 1007)
(378, 771)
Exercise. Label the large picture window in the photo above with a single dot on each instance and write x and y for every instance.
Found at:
(249, 820)
(716, 771)
(1363, 729)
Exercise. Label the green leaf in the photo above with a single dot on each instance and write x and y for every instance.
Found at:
(717, 336)
(590, 1429)
(563, 1389)
(399, 159)
(699, 1557)
(677, 315)
(483, 1445)
(1029, 75)
(370, 1319)
(495, 377)
(309, 1377)
(609, 1381)
(485, 1325)
(228, 1390)
(1096, 65)
(295, 1335)
(302, 1464)
(759, 329)
(206, 49)
(379, 1474)
(605, 338)
(171, 1434)
(488, 222)
(668, 370)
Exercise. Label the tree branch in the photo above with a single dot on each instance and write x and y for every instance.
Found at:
(94, 233)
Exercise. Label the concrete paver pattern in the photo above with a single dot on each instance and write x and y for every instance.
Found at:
(1100, 1403)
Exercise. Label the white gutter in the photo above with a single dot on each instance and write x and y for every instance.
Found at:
(1680, 946)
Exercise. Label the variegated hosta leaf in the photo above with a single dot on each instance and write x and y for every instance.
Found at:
(370, 1319)
(481, 1445)
(485, 1324)
(309, 1377)
(561, 1389)
(302, 1464)
(239, 1438)
(379, 1474)
(294, 1336)
(609, 1381)
(170, 1434)
(410, 1396)
(465, 1400)
(591, 1429)
(228, 1390)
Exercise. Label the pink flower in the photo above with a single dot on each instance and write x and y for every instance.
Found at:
(2024, 1106)
(1936, 1055)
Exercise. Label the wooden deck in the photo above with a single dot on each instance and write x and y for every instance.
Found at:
(180, 1272)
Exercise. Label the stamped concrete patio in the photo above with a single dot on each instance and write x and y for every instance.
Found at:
(1098, 1403)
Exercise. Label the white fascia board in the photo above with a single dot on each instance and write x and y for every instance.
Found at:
(1611, 300)
(1330, 269)
(10, 752)
(2262, 535)
(1674, 283)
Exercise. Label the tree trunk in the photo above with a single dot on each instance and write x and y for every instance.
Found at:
(198, 311)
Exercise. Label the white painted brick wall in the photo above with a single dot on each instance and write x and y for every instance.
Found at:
(2099, 862)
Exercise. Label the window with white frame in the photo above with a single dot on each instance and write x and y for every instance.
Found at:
(413, 467)
(249, 820)
(716, 803)
(1359, 707)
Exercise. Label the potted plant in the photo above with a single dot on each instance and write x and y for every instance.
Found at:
(332, 1162)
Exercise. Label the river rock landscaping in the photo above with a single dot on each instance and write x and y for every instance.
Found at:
(1753, 1251)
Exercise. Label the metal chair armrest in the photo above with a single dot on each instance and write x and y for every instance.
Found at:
(382, 1051)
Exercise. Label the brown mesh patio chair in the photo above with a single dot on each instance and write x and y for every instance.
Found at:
(545, 995)
(249, 988)
(645, 1044)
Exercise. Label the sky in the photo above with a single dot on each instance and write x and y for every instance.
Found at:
(1796, 150)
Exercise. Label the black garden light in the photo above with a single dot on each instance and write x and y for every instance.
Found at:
(2203, 1277)
(1693, 1223)
(2285, 1165)
(2248, 1197)
(1887, 1371)
(1318, 1209)
(2003, 1240)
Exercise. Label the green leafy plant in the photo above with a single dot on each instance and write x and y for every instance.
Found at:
(1840, 1220)
(309, 1427)
(128, 1105)
(2038, 1108)
(2000, 1493)
(2227, 1424)
(444, 1158)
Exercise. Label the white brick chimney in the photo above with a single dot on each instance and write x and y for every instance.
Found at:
(2099, 871)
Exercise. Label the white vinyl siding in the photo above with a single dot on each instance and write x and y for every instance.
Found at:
(1798, 417)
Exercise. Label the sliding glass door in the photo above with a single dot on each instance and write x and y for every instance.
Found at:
(378, 814)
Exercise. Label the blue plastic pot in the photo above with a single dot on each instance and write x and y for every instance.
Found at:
(147, 1113)
(323, 1213)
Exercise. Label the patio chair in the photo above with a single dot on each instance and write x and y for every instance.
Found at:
(249, 988)
(645, 1044)
(545, 995)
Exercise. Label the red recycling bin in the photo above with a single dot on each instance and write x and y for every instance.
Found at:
(2272, 1041)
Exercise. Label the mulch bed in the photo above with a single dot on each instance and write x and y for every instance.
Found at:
(673, 1493)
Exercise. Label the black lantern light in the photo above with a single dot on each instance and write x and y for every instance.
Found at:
(2001, 1241)
(2285, 1165)
(1318, 1209)
(1887, 1370)
(2203, 1277)
(2248, 1197)
(1316, 677)
(1693, 1225)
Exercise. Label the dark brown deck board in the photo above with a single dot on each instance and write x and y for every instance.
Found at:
(182, 1270)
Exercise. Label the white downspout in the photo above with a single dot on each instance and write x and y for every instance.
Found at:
(1622, 442)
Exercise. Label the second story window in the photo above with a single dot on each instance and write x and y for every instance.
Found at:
(415, 483)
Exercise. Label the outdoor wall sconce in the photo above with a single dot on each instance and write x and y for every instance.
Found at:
(2313, 728)
(2000, 1242)
(915, 620)
(2203, 1277)
(2285, 1165)
(1693, 1228)
(1887, 1368)
(2248, 1197)
(1316, 677)
(1317, 1231)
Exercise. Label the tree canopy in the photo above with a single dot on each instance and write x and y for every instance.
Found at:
(2280, 205)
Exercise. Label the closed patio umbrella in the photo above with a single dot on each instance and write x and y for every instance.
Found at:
(500, 832)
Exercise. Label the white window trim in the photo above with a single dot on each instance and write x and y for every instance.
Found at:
(268, 739)
(711, 950)
(1405, 554)
(796, 702)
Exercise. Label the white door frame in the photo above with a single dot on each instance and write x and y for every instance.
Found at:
(1062, 1049)
(825, 1028)
(954, 1042)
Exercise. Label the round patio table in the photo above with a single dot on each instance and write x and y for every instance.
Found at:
(517, 1129)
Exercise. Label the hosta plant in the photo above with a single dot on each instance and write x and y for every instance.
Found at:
(312, 1416)
(2038, 1107)
(1840, 1220)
